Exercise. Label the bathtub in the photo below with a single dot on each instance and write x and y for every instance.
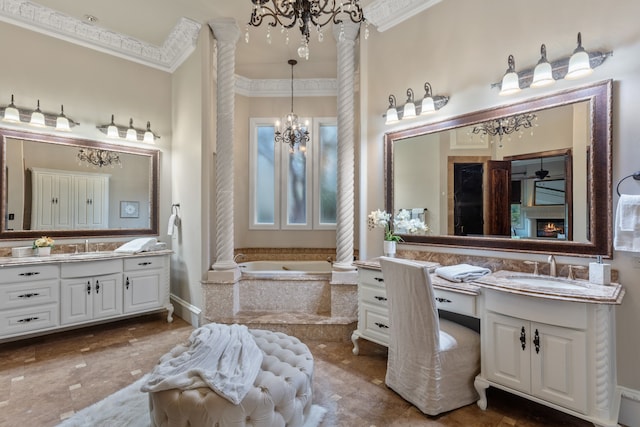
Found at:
(284, 268)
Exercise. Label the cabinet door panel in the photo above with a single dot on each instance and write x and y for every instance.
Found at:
(142, 290)
(507, 362)
(107, 300)
(76, 298)
(559, 365)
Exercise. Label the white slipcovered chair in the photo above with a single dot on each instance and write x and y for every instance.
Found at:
(432, 362)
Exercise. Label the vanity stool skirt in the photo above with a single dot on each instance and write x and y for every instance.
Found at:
(281, 394)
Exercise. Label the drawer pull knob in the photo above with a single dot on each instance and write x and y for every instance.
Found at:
(29, 295)
(536, 341)
(88, 287)
(523, 338)
(381, 325)
(29, 273)
(27, 319)
(378, 279)
(144, 263)
(443, 300)
(97, 287)
(379, 298)
(127, 284)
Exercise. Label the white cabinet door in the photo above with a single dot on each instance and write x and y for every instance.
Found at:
(508, 363)
(107, 296)
(88, 298)
(558, 365)
(91, 194)
(76, 302)
(52, 201)
(142, 290)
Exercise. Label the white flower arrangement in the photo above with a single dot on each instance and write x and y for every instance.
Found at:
(400, 223)
(43, 242)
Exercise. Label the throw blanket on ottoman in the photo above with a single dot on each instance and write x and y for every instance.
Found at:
(279, 395)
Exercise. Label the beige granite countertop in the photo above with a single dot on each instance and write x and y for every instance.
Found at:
(82, 256)
(577, 290)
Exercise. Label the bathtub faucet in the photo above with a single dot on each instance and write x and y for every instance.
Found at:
(239, 257)
(330, 260)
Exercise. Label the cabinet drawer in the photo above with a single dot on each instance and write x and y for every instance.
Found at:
(90, 269)
(455, 302)
(373, 295)
(376, 323)
(371, 277)
(144, 263)
(15, 322)
(28, 294)
(28, 273)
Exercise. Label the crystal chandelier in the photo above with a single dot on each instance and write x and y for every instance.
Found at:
(292, 132)
(506, 125)
(99, 158)
(305, 13)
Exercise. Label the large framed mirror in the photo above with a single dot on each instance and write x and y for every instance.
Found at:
(530, 177)
(67, 187)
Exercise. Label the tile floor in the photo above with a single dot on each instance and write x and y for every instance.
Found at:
(44, 380)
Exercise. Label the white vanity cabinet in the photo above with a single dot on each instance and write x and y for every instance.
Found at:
(28, 299)
(558, 352)
(90, 291)
(144, 283)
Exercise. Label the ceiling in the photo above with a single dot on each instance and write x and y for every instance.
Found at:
(165, 31)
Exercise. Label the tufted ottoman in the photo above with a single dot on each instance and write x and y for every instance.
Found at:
(281, 394)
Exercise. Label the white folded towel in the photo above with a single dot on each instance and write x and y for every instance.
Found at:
(224, 358)
(171, 224)
(627, 224)
(462, 272)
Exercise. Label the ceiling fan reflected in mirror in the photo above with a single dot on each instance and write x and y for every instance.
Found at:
(542, 173)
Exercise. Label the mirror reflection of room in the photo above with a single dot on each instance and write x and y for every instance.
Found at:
(509, 185)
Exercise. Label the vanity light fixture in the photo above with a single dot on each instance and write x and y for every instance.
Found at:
(542, 74)
(579, 64)
(130, 133)
(510, 80)
(409, 110)
(429, 104)
(36, 117)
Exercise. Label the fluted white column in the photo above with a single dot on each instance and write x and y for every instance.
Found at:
(345, 35)
(226, 33)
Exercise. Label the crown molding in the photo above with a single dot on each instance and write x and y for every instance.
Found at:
(259, 88)
(386, 14)
(176, 48)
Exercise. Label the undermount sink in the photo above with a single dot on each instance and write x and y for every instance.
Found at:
(82, 255)
(546, 282)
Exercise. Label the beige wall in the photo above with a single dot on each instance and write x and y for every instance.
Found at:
(461, 49)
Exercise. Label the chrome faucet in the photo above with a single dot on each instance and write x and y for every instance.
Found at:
(239, 257)
(552, 266)
(86, 245)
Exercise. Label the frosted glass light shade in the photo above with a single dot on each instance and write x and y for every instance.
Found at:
(579, 66)
(542, 75)
(149, 137)
(37, 118)
(428, 106)
(11, 113)
(132, 135)
(409, 110)
(392, 115)
(510, 84)
(62, 123)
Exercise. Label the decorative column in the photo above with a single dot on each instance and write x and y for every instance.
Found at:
(345, 35)
(220, 293)
(226, 33)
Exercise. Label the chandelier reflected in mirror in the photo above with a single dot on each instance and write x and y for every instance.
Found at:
(507, 126)
(98, 158)
(285, 14)
(291, 131)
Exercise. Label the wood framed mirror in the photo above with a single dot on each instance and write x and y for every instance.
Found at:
(67, 187)
(571, 128)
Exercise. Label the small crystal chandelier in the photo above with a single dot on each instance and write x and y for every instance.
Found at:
(292, 132)
(506, 125)
(306, 13)
(98, 158)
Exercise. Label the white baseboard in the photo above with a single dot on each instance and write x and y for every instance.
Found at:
(186, 311)
(629, 407)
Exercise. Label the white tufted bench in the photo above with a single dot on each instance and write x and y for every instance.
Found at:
(281, 394)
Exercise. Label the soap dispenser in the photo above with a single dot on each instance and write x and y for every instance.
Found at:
(599, 273)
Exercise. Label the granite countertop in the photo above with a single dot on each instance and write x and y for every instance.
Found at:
(71, 257)
(558, 288)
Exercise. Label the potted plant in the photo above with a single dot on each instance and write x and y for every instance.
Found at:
(43, 245)
(402, 221)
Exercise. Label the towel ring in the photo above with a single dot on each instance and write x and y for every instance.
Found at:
(175, 208)
(635, 175)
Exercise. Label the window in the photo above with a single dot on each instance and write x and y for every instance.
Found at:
(293, 190)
